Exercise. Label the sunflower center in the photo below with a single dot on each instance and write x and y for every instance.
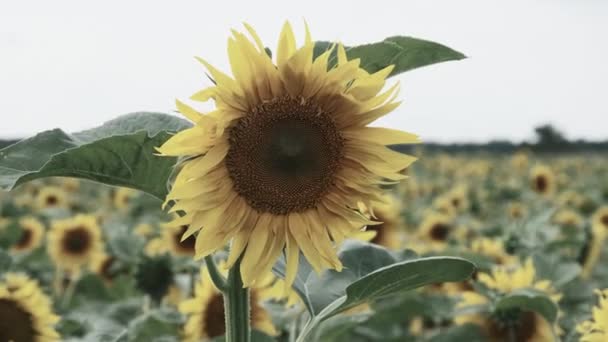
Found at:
(24, 240)
(15, 323)
(214, 317)
(283, 156)
(541, 183)
(106, 268)
(77, 241)
(51, 200)
(604, 220)
(439, 232)
(522, 325)
(186, 245)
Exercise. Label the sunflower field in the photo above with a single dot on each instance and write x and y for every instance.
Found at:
(284, 214)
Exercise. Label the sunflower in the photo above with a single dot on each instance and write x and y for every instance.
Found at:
(156, 246)
(144, 230)
(542, 180)
(494, 249)
(32, 232)
(526, 326)
(104, 265)
(517, 210)
(387, 233)
(599, 232)
(51, 197)
(600, 220)
(519, 161)
(73, 242)
(121, 197)
(206, 312)
(286, 155)
(435, 230)
(26, 313)
(69, 184)
(568, 218)
(596, 328)
(172, 238)
(458, 198)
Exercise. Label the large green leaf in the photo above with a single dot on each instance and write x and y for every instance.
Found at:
(529, 300)
(370, 273)
(120, 153)
(406, 53)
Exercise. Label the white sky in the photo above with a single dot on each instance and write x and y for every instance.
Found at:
(75, 64)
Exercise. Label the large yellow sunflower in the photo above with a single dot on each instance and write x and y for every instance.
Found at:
(206, 311)
(26, 313)
(286, 155)
(32, 233)
(596, 328)
(73, 242)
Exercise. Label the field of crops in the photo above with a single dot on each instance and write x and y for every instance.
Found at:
(105, 266)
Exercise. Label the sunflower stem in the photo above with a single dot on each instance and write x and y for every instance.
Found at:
(236, 307)
(216, 277)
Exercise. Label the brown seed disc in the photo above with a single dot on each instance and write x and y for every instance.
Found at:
(283, 156)
(77, 241)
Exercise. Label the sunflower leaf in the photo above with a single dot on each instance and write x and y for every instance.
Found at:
(119, 153)
(370, 273)
(406, 53)
(529, 300)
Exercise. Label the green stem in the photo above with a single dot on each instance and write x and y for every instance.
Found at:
(218, 279)
(236, 307)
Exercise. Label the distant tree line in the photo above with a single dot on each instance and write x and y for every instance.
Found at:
(548, 139)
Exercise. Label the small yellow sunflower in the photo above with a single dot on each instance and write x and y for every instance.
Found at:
(520, 161)
(494, 249)
(32, 233)
(388, 232)
(26, 313)
(69, 184)
(596, 328)
(506, 279)
(122, 197)
(571, 199)
(286, 155)
(144, 230)
(542, 180)
(568, 218)
(172, 237)
(435, 230)
(73, 242)
(517, 210)
(156, 246)
(599, 220)
(599, 233)
(103, 265)
(458, 198)
(206, 312)
(525, 325)
(51, 197)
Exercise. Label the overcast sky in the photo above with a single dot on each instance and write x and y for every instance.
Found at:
(76, 64)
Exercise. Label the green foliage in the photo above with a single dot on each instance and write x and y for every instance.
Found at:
(406, 53)
(120, 153)
(529, 300)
